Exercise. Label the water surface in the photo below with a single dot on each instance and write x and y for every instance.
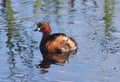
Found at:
(94, 24)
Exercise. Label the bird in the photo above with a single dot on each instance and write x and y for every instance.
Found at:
(54, 43)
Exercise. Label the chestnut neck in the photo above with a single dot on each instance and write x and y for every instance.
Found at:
(46, 31)
(45, 34)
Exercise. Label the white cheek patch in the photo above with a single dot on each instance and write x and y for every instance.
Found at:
(38, 29)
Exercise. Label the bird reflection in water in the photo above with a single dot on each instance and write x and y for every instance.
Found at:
(53, 58)
(55, 48)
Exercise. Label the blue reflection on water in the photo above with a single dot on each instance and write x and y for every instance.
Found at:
(97, 58)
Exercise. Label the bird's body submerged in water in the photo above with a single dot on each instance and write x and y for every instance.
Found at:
(55, 43)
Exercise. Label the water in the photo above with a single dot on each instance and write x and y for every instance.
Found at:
(94, 24)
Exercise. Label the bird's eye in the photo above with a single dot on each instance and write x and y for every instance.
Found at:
(39, 25)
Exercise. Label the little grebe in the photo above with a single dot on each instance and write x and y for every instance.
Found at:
(55, 43)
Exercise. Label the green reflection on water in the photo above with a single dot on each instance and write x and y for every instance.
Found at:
(9, 15)
(37, 3)
(109, 10)
(10, 44)
(17, 45)
(9, 18)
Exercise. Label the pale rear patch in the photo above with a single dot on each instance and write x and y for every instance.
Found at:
(61, 43)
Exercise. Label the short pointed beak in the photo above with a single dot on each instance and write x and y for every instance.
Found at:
(38, 29)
